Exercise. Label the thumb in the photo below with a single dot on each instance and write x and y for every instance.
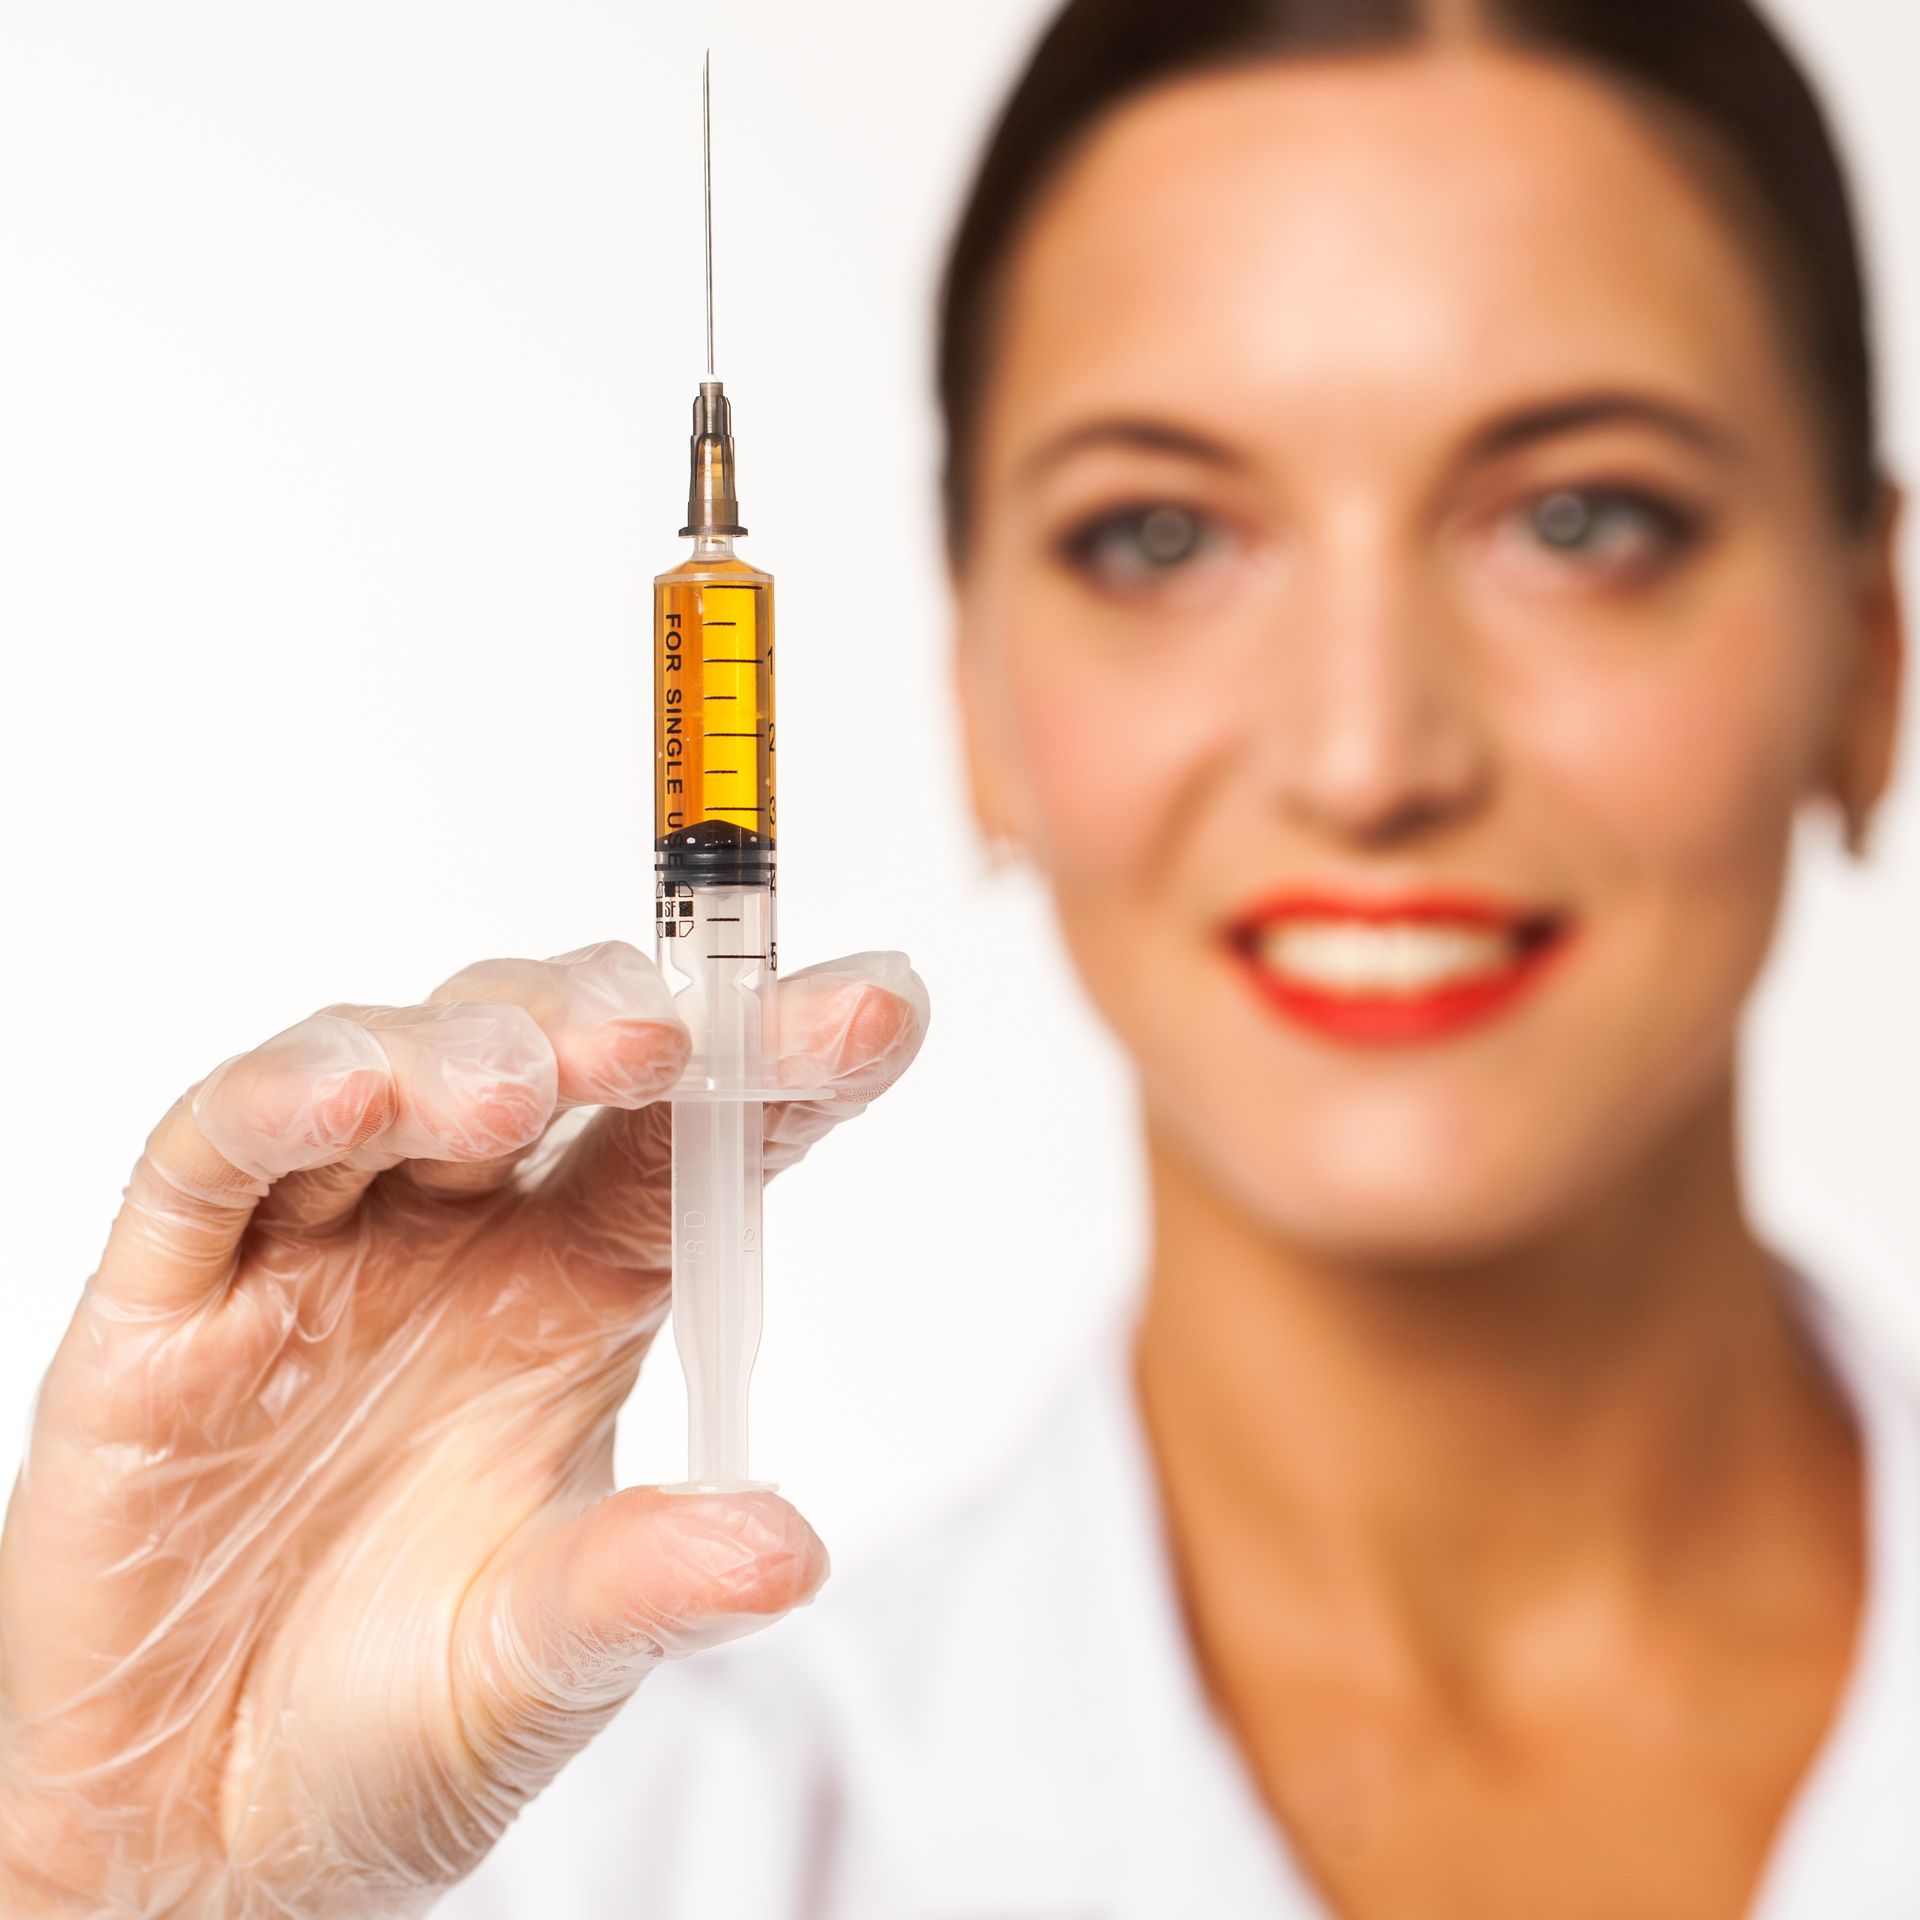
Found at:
(547, 1649)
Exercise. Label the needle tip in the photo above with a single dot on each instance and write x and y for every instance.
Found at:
(706, 170)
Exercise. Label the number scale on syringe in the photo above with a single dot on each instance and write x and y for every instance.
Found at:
(714, 801)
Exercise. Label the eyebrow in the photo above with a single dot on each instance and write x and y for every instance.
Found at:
(1139, 434)
(1509, 433)
(1577, 413)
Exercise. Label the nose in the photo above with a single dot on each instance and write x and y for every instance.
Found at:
(1374, 733)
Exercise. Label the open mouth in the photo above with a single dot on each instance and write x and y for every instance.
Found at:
(1400, 970)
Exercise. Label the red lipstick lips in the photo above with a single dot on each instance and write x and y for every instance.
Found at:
(1393, 971)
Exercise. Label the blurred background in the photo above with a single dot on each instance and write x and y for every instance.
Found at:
(346, 355)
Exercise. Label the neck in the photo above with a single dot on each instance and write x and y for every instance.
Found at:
(1427, 1454)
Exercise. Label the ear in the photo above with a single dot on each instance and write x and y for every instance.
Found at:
(1868, 724)
(985, 748)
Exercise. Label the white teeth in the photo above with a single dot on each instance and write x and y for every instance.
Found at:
(1395, 957)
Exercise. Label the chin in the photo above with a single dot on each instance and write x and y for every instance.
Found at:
(1410, 1186)
(1410, 1230)
(1410, 1225)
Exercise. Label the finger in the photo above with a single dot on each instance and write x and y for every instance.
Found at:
(312, 1094)
(455, 1082)
(317, 1199)
(606, 1012)
(467, 1080)
(187, 1204)
(546, 1649)
(471, 1082)
(852, 1025)
(610, 1020)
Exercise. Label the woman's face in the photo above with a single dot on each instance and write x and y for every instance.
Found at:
(1403, 616)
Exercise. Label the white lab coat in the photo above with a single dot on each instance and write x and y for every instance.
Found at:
(1005, 1723)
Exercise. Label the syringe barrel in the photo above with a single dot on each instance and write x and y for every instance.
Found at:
(719, 967)
(714, 903)
(714, 797)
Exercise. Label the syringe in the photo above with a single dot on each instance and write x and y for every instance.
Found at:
(714, 891)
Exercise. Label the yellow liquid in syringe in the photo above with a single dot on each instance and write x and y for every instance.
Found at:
(713, 717)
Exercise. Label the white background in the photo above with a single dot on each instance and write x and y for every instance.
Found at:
(345, 361)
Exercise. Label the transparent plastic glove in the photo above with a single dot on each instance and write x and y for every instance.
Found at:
(314, 1574)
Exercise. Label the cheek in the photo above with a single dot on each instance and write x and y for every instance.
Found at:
(1110, 754)
(1685, 764)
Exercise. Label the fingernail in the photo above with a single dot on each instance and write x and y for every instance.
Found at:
(758, 1545)
(638, 1059)
(886, 967)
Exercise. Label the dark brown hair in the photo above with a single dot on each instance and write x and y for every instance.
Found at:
(1717, 62)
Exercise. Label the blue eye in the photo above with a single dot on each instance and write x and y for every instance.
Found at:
(1600, 528)
(1139, 546)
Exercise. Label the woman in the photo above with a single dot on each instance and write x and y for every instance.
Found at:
(1418, 544)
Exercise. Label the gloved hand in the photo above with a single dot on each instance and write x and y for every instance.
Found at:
(314, 1573)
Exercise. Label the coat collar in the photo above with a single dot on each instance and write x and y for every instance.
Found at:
(1084, 1770)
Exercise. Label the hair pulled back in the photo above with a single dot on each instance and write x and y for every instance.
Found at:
(1717, 63)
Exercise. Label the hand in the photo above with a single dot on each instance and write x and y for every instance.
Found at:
(314, 1574)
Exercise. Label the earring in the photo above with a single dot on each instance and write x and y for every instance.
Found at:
(1001, 852)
